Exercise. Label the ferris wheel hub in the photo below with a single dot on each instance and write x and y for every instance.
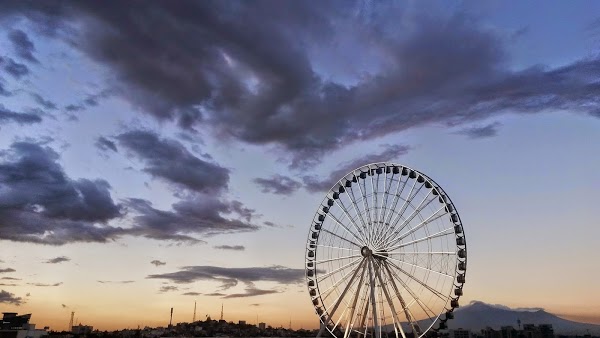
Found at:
(366, 252)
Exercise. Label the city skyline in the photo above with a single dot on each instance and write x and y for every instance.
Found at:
(157, 154)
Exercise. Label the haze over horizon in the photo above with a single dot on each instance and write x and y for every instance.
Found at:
(153, 154)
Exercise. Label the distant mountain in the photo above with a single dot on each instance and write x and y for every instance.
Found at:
(479, 315)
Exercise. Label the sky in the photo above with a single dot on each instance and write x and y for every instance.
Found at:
(153, 154)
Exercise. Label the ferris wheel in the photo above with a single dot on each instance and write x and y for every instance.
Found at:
(386, 255)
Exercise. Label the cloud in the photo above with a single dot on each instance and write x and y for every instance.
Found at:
(156, 262)
(63, 306)
(230, 277)
(22, 45)
(199, 214)
(8, 284)
(278, 184)
(44, 205)
(58, 260)
(230, 247)
(47, 104)
(10, 278)
(192, 294)
(9, 298)
(260, 72)
(489, 130)
(168, 288)
(215, 294)
(17, 70)
(255, 304)
(115, 281)
(7, 270)
(105, 144)
(171, 161)
(45, 285)
(390, 153)
(251, 292)
(7, 115)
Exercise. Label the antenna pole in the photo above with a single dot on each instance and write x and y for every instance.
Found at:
(194, 320)
(171, 320)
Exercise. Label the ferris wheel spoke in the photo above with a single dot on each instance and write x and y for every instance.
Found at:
(392, 308)
(414, 265)
(417, 252)
(338, 301)
(425, 285)
(327, 292)
(323, 277)
(407, 313)
(422, 305)
(386, 195)
(344, 227)
(374, 191)
(396, 198)
(402, 210)
(427, 220)
(355, 206)
(437, 234)
(367, 210)
(334, 247)
(335, 259)
(407, 220)
(343, 207)
(342, 238)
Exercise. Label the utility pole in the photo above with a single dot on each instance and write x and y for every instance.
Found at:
(194, 320)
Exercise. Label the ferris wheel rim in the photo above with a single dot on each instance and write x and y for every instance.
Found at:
(311, 272)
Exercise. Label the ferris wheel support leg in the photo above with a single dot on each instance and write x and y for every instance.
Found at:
(350, 323)
(339, 300)
(373, 301)
(391, 304)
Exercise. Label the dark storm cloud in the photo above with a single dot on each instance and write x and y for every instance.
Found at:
(231, 276)
(249, 71)
(43, 205)
(57, 260)
(17, 70)
(22, 45)
(278, 184)
(74, 108)
(489, 130)
(390, 153)
(5, 270)
(10, 298)
(200, 214)
(170, 160)
(105, 144)
(251, 292)
(47, 104)
(7, 115)
(156, 262)
(230, 247)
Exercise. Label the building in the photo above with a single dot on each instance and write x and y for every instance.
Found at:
(262, 326)
(508, 332)
(82, 329)
(242, 322)
(546, 330)
(460, 333)
(18, 326)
